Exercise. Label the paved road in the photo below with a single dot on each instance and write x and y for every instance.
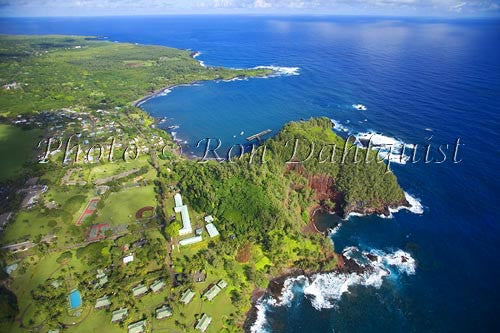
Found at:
(23, 246)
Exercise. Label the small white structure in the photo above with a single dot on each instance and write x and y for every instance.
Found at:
(212, 230)
(128, 259)
(209, 219)
(186, 221)
(191, 240)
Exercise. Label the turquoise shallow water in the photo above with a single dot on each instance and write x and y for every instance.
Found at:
(423, 81)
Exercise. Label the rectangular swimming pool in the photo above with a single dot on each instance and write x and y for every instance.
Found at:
(75, 299)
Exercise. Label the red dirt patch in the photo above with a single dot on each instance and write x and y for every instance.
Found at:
(139, 214)
(244, 254)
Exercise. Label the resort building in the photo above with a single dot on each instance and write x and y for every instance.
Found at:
(187, 296)
(212, 230)
(157, 286)
(163, 312)
(190, 240)
(137, 327)
(203, 323)
(212, 292)
(222, 284)
(119, 315)
(102, 302)
(128, 259)
(186, 221)
(139, 290)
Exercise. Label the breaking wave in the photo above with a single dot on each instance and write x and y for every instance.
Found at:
(281, 71)
(389, 148)
(324, 290)
(415, 205)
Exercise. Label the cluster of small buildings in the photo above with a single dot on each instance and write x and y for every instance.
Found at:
(121, 314)
(186, 224)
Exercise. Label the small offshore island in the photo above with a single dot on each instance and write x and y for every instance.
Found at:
(93, 243)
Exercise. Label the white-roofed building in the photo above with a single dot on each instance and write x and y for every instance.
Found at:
(186, 221)
(209, 219)
(128, 258)
(178, 200)
(212, 230)
(191, 240)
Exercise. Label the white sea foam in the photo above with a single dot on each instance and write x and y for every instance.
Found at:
(165, 92)
(196, 55)
(351, 214)
(281, 71)
(338, 126)
(259, 326)
(415, 205)
(325, 289)
(334, 230)
(389, 148)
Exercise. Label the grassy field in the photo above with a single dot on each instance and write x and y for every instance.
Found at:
(120, 207)
(28, 224)
(111, 169)
(16, 147)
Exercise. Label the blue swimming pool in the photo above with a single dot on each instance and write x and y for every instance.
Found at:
(75, 299)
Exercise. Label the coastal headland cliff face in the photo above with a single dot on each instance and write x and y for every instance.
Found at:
(342, 185)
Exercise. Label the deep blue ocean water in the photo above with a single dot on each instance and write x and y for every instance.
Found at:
(423, 81)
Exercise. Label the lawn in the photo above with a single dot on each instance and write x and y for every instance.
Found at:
(16, 147)
(120, 207)
(107, 169)
(39, 220)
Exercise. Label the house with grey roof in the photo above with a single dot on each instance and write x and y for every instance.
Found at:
(157, 286)
(163, 312)
(137, 327)
(187, 296)
(212, 292)
(222, 284)
(203, 323)
(102, 302)
(139, 290)
(119, 315)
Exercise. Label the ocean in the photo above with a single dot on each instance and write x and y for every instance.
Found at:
(423, 81)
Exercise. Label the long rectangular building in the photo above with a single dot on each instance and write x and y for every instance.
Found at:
(186, 220)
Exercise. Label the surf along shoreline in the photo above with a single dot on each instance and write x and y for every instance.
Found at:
(277, 283)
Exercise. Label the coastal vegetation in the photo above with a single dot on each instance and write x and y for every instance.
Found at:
(262, 205)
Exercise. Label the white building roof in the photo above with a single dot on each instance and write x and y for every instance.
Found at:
(212, 230)
(128, 258)
(190, 240)
(186, 221)
(209, 218)
(178, 200)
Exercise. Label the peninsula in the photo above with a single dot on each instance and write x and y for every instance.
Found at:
(145, 239)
